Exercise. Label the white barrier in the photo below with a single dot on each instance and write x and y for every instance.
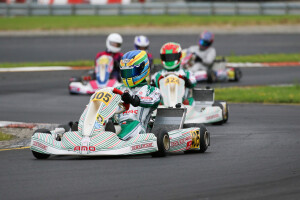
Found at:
(288, 8)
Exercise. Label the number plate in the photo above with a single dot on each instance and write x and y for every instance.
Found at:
(105, 97)
(170, 80)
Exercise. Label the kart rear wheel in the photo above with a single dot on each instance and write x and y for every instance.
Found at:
(204, 137)
(211, 76)
(237, 74)
(38, 155)
(163, 144)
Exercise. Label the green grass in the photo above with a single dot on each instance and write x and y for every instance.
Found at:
(88, 22)
(4, 136)
(265, 58)
(250, 58)
(260, 94)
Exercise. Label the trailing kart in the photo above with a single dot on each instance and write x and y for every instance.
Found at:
(205, 109)
(218, 72)
(94, 139)
(94, 80)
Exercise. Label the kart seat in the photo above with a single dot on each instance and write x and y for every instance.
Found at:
(169, 119)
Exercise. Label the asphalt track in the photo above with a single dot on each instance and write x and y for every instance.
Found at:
(254, 156)
(68, 48)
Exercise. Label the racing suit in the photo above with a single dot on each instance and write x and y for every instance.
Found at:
(135, 120)
(204, 58)
(117, 57)
(190, 82)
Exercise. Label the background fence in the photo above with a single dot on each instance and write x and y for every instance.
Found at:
(274, 8)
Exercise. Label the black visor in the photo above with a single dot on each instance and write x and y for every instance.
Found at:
(170, 57)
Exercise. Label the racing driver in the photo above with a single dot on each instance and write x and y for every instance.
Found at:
(143, 98)
(113, 47)
(170, 54)
(205, 54)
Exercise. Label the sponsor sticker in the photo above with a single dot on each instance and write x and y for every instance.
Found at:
(40, 145)
(84, 148)
(141, 146)
(212, 117)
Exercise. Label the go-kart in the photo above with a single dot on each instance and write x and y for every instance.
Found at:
(217, 72)
(94, 139)
(94, 80)
(205, 109)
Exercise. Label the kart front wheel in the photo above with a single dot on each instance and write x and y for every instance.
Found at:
(224, 113)
(163, 144)
(237, 74)
(38, 155)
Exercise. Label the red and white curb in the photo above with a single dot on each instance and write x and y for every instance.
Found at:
(12, 124)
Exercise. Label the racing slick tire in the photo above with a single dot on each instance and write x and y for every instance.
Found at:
(211, 76)
(204, 137)
(38, 155)
(224, 113)
(237, 74)
(163, 144)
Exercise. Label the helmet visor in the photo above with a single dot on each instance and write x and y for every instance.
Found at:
(204, 43)
(115, 44)
(135, 71)
(170, 57)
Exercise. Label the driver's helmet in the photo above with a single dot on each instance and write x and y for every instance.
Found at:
(134, 67)
(103, 68)
(114, 42)
(170, 55)
(206, 40)
(141, 42)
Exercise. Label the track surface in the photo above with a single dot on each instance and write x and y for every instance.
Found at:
(254, 156)
(43, 96)
(67, 48)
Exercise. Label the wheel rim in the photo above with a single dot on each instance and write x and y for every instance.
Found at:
(166, 141)
(206, 139)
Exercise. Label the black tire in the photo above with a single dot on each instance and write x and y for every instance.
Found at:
(38, 155)
(221, 106)
(211, 76)
(237, 74)
(163, 144)
(204, 137)
(226, 116)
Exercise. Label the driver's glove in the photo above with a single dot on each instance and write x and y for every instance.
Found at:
(187, 82)
(126, 97)
(133, 100)
(198, 58)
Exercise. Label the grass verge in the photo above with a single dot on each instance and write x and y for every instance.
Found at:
(88, 22)
(4, 136)
(251, 58)
(260, 94)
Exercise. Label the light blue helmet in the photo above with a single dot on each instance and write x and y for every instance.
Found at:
(134, 67)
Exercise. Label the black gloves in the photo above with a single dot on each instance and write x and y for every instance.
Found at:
(198, 59)
(187, 82)
(133, 100)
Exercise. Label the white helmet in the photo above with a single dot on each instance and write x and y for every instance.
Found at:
(141, 42)
(114, 42)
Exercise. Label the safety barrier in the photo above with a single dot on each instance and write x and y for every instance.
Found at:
(288, 8)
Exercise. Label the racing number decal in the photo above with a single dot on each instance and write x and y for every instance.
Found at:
(195, 139)
(172, 80)
(105, 97)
